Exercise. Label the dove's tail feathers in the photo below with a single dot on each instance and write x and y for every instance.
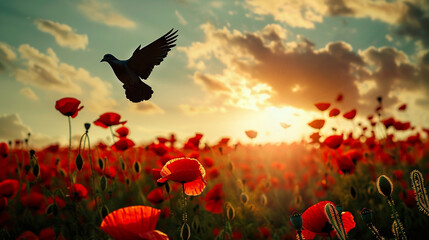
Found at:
(138, 92)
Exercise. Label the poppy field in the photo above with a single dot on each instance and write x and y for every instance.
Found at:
(344, 185)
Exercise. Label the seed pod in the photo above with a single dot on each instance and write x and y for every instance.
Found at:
(244, 198)
(79, 162)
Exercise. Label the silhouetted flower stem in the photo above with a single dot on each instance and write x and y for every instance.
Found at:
(113, 135)
(69, 156)
(396, 219)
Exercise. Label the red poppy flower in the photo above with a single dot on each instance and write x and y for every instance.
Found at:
(208, 162)
(33, 200)
(315, 222)
(27, 235)
(315, 137)
(3, 203)
(9, 188)
(187, 171)
(135, 222)
(68, 106)
(123, 144)
(193, 143)
(339, 98)
(78, 192)
(108, 119)
(322, 106)
(122, 132)
(317, 124)
(409, 198)
(334, 112)
(350, 114)
(251, 134)
(403, 107)
(214, 199)
(334, 141)
(162, 140)
(4, 150)
(345, 164)
(156, 196)
(159, 149)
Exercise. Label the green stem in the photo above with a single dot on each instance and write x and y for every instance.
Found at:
(69, 155)
(113, 135)
(395, 217)
(299, 234)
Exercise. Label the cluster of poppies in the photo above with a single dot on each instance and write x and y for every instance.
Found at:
(325, 186)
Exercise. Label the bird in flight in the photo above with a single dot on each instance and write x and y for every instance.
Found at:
(140, 65)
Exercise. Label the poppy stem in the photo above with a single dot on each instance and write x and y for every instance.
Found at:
(113, 135)
(184, 214)
(68, 160)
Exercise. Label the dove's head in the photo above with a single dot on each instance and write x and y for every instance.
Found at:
(108, 57)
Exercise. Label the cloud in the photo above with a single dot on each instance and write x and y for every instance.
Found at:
(261, 69)
(63, 34)
(7, 56)
(104, 13)
(414, 23)
(27, 92)
(12, 127)
(180, 18)
(196, 110)
(306, 13)
(146, 108)
(47, 72)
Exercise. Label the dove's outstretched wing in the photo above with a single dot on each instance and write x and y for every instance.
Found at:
(143, 60)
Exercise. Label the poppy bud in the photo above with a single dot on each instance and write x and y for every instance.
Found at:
(79, 162)
(185, 232)
(384, 186)
(244, 198)
(366, 215)
(230, 211)
(36, 170)
(103, 183)
(101, 163)
(353, 192)
(296, 220)
(339, 209)
(104, 211)
(137, 167)
(87, 126)
(264, 199)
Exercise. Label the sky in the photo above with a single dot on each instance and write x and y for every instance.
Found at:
(237, 66)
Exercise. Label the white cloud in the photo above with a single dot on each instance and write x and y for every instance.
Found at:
(63, 34)
(12, 127)
(180, 18)
(46, 71)
(146, 108)
(27, 92)
(104, 13)
(306, 13)
(196, 110)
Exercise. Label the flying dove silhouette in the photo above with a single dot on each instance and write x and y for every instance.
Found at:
(140, 65)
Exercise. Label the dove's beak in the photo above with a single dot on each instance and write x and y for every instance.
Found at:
(103, 60)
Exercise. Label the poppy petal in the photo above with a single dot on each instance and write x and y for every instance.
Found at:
(194, 188)
(154, 235)
(127, 223)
